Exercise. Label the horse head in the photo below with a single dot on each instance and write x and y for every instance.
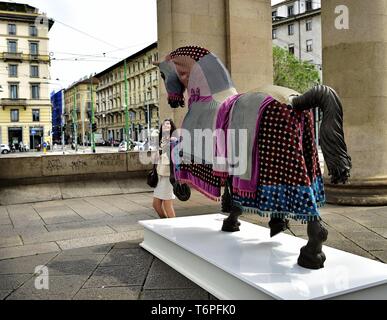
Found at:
(176, 69)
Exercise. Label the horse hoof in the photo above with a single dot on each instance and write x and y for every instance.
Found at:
(311, 260)
(230, 226)
(277, 226)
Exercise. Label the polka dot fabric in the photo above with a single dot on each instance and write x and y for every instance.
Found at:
(290, 182)
(194, 52)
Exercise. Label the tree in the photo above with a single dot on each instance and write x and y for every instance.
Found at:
(291, 73)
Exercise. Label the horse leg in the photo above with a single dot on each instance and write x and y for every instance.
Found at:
(278, 225)
(311, 256)
(231, 224)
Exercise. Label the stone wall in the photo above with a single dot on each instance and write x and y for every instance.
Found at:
(46, 168)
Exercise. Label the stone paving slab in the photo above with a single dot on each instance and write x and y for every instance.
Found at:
(24, 216)
(58, 214)
(81, 189)
(28, 250)
(60, 288)
(106, 207)
(125, 257)
(10, 241)
(106, 239)
(161, 276)
(12, 282)
(84, 265)
(175, 294)
(67, 235)
(109, 293)
(29, 193)
(85, 209)
(118, 276)
(4, 294)
(89, 251)
(25, 265)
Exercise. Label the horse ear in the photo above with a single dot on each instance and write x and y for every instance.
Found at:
(156, 63)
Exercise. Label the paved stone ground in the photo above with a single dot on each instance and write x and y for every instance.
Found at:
(91, 246)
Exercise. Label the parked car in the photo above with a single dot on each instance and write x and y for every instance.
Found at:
(5, 149)
(123, 146)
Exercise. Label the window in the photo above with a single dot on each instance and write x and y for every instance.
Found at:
(309, 45)
(291, 48)
(12, 46)
(14, 115)
(308, 4)
(290, 29)
(274, 34)
(35, 91)
(14, 91)
(33, 31)
(309, 25)
(35, 115)
(34, 48)
(34, 71)
(12, 29)
(274, 14)
(290, 11)
(12, 70)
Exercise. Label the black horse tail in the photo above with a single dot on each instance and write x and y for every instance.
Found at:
(331, 132)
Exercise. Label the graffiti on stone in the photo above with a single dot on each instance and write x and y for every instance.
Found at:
(109, 161)
(55, 165)
(78, 165)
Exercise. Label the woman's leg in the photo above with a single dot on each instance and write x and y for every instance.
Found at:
(168, 208)
(158, 206)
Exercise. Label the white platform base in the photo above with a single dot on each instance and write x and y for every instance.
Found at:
(250, 265)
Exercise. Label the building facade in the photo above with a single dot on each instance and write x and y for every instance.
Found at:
(77, 110)
(25, 108)
(297, 28)
(57, 101)
(142, 97)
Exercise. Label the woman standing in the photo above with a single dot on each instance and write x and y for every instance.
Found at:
(163, 195)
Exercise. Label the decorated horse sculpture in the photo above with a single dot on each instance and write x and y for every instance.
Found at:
(277, 173)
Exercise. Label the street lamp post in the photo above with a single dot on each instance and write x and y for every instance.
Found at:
(92, 116)
(126, 107)
(75, 119)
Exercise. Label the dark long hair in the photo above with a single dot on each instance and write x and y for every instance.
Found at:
(173, 129)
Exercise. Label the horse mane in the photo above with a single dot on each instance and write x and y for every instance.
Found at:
(194, 52)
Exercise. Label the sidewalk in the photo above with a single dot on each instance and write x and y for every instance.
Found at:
(91, 246)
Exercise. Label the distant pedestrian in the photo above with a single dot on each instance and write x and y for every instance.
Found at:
(163, 193)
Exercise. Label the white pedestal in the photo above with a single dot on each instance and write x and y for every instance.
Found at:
(251, 265)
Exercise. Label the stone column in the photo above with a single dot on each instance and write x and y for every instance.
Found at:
(237, 31)
(355, 65)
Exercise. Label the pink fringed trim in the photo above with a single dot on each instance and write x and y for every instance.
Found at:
(220, 174)
(245, 194)
(203, 192)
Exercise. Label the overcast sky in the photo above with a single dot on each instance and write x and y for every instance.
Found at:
(119, 24)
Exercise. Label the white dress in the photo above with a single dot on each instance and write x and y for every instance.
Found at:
(164, 189)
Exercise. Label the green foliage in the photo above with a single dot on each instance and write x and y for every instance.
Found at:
(291, 73)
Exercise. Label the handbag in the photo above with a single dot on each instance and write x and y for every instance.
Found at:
(182, 191)
(153, 178)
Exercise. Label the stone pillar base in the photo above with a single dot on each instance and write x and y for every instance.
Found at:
(364, 193)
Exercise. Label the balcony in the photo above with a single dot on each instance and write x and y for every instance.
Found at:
(15, 56)
(38, 57)
(13, 103)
